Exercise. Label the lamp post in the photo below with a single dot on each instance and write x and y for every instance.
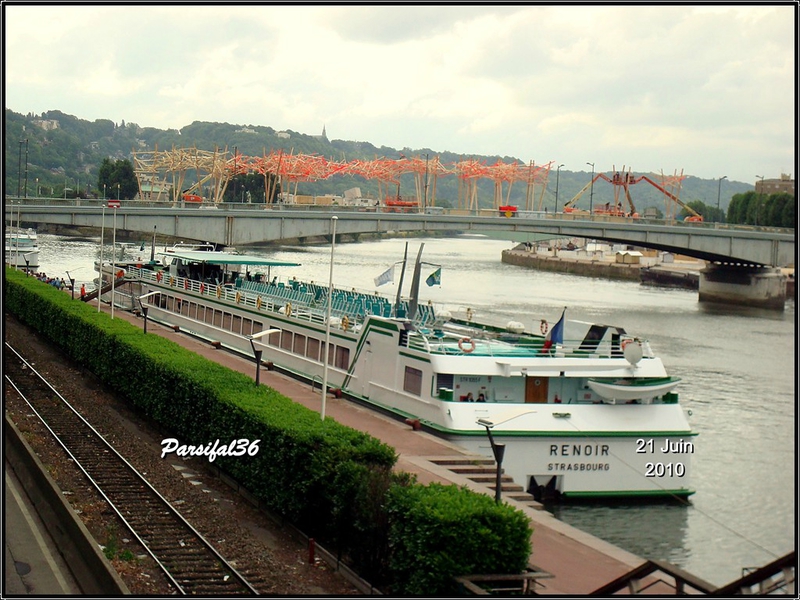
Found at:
(102, 233)
(499, 451)
(26, 167)
(758, 199)
(71, 284)
(719, 190)
(145, 308)
(558, 172)
(258, 352)
(117, 193)
(591, 192)
(334, 218)
(19, 171)
(113, 262)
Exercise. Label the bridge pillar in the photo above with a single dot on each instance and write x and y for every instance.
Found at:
(750, 285)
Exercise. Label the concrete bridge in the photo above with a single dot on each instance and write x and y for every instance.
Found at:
(733, 251)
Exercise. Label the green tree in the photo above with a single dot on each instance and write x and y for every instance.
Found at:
(117, 179)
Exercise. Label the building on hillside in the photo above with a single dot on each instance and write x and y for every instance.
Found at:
(784, 185)
(284, 135)
(46, 124)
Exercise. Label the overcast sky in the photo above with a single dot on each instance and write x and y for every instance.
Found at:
(709, 90)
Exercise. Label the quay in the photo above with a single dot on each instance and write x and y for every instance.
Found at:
(579, 562)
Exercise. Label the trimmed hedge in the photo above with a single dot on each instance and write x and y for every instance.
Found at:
(334, 481)
(438, 531)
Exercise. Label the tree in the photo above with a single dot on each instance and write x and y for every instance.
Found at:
(117, 178)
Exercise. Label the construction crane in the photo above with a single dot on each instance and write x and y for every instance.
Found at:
(623, 181)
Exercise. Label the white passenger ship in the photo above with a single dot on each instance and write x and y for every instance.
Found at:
(584, 410)
(21, 248)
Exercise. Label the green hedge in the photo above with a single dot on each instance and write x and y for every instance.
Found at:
(335, 482)
(438, 531)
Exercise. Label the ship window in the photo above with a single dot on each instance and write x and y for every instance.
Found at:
(412, 382)
(236, 324)
(193, 310)
(342, 357)
(258, 327)
(444, 380)
(217, 318)
(312, 348)
(185, 307)
(247, 326)
(286, 340)
(300, 344)
(226, 321)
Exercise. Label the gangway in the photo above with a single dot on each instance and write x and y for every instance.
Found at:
(105, 289)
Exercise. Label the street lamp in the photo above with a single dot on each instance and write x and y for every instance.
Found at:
(145, 308)
(499, 451)
(257, 352)
(558, 172)
(71, 284)
(102, 233)
(758, 199)
(591, 193)
(117, 192)
(334, 218)
(719, 189)
(113, 262)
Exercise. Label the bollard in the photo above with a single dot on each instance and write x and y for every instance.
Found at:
(311, 548)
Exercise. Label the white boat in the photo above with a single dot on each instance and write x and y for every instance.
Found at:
(21, 248)
(633, 389)
(545, 398)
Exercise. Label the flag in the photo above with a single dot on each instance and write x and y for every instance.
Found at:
(435, 278)
(556, 333)
(385, 277)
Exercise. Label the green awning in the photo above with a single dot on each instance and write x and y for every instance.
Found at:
(227, 258)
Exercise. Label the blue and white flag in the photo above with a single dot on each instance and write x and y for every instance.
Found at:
(385, 277)
(435, 278)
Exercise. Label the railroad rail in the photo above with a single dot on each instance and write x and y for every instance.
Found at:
(190, 563)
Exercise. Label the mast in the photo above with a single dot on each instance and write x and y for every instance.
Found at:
(400, 285)
(412, 306)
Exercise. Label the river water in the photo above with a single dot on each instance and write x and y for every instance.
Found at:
(737, 366)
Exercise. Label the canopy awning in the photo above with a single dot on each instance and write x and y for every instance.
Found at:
(227, 258)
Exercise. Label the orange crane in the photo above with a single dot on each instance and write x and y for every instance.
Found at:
(624, 180)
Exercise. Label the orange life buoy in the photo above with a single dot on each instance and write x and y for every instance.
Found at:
(238, 297)
(543, 327)
(466, 342)
(258, 303)
(202, 288)
(345, 323)
(219, 291)
(159, 275)
(186, 284)
(624, 343)
(171, 280)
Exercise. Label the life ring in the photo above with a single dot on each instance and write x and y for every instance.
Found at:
(238, 297)
(468, 342)
(287, 310)
(186, 284)
(219, 291)
(171, 280)
(202, 288)
(258, 302)
(543, 327)
(345, 323)
(159, 275)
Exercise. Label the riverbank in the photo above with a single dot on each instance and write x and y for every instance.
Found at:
(679, 273)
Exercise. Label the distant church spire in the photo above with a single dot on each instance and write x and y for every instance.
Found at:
(324, 135)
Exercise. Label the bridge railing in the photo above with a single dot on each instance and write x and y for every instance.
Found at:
(431, 211)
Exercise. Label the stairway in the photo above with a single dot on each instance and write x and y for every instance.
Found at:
(483, 471)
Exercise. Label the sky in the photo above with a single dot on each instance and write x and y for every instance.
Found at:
(703, 90)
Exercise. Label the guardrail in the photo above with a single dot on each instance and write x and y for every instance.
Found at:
(12, 201)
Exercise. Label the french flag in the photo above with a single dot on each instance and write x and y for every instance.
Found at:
(556, 333)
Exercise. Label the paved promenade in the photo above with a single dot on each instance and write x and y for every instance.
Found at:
(579, 562)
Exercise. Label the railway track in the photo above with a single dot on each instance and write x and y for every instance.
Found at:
(189, 562)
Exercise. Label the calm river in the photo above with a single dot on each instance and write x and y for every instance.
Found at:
(738, 380)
